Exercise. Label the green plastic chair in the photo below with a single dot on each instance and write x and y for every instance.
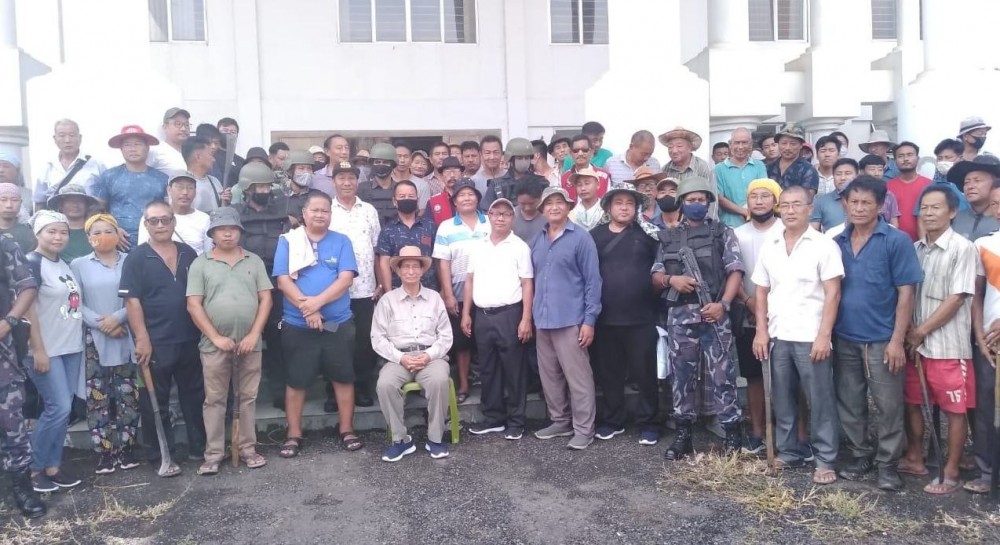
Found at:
(452, 402)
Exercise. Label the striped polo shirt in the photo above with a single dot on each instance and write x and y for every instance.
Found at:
(453, 243)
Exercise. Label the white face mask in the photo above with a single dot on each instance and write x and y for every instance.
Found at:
(843, 151)
(302, 179)
(944, 166)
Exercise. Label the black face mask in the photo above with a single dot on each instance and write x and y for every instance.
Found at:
(261, 198)
(406, 206)
(761, 218)
(978, 142)
(381, 171)
(668, 204)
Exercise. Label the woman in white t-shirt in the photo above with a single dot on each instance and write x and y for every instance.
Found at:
(56, 372)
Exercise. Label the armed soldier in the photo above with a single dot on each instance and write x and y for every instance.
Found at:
(519, 154)
(699, 270)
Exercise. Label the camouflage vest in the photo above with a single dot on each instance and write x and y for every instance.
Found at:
(706, 242)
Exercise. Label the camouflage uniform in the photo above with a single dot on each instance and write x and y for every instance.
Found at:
(689, 337)
(15, 277)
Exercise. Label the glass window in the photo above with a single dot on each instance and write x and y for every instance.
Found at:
(177, 20)
(448, 21)
(777, 19)
(578, 21)
(884, 19)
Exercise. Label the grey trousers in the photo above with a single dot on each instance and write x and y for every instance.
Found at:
(790, 367)
(434, 381)
(983, 435)
(567, 379)
(854, 378)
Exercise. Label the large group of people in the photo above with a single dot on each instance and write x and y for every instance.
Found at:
(817, 277)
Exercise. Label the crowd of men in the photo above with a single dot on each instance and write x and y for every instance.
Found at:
(820, 279)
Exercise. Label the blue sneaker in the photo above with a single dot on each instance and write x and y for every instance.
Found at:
(606, 433)
(753, 445)
(649, 437)
(437, 450)
(398, 450)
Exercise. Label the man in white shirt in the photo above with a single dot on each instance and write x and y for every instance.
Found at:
(56, 173)
(588, 212)
(499, 283)
(798, 291)
(176, 129)
(200, 159)
(359, 221)
(190, 224)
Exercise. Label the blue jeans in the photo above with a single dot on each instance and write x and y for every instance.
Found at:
(57, 388)
(791, 367)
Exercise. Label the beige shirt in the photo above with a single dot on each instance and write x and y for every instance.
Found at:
(401, 322)
(949, 266)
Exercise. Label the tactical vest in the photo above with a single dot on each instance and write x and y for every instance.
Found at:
(706, 242)
(262, 229)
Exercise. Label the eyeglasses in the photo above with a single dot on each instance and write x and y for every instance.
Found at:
(581, 150)
(501, 214)
(166, 220)
(797, 205)
(181, 124)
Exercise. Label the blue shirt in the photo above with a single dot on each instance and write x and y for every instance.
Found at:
(867, 312)
(942, 181)
(733, 182)
(335, 255)
(567, 279)
(99, 289)
(828, 210)
(396, 235)
(801, 172)
(127, 193)
(891, 170)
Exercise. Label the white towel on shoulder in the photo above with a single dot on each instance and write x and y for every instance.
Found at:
(300, 251)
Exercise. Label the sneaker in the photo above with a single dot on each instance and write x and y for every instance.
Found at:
(649, 437)
(856, 469)
(753, 445)
(127, 459)
(513, 434)
(437, 450)
(606, 433)
(64, 480)
(808, 453)
(398, 450)
(41, 483)
(554, 430)
(484, 428)
(579, 442)
(105, 465)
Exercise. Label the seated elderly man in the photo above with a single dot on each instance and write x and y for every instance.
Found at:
(411, 331)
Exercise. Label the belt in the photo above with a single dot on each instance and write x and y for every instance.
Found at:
(415, 348)
(497, 310)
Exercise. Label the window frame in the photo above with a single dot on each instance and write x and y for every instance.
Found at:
(579, 22)
(408, 21)
(774, 24)
(170, 24)
(895, 24)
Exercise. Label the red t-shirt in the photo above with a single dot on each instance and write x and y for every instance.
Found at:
(439, 208)
(603, 181)
(907, 194)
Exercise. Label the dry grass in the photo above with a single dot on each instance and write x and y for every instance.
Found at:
(85, 525)
(744, 480)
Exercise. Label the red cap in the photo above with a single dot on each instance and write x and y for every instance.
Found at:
(132, 130)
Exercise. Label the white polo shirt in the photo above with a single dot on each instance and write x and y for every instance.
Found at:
(53, 174)
(795, 300)
(166, 159)
(499, 269)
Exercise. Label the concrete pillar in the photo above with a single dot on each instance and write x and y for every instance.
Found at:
(721, 128)
(13, 133)
(248, 109)
(515, 74)
(8, 24)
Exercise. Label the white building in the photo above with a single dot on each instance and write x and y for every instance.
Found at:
(298, 70)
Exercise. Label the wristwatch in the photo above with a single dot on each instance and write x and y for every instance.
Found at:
(12, 321)
(725, 304)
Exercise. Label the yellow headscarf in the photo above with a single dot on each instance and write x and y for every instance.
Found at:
(768, 184)
(99, 217)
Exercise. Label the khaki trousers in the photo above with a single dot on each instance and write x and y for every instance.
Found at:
(434, 381)
(218, 368)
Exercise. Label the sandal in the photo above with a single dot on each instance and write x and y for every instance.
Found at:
(978, 486)
(909, 469)
(460, 397)
(209, 468)
(780, 465)
(253, 461)
(936, 487)
(824, 476)
(291, 447)
(350, 441)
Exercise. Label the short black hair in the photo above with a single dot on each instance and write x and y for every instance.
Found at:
(227, 121)
(469, 144)
(540, 148)
(531, 186)
(326, 142)
(156, 202)
(847, 161)
(835, 134)
(404, 182)
(592, 128)
(440, 144)
(316, 194)
(400, 144)
(828, 139)
(764, 138)
(580, 138)
(949, 195)
(209, 131)
(907, 143)
(276, 147)
(560, 140)
(868, 184)
(192, 145)
(803, 190)
(455, 146)
(720, 145)
(949, 144)
(871, 161)
(490, 138)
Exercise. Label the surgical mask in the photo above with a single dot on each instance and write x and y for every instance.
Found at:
(302, 179)
(261, 198)
(104, 242)
(761, 218)
(521, 164)
(978, 142)
(668, 203)
(944, 166)
(381, 171)
(843, 151)
(694, 211)
(406, 206)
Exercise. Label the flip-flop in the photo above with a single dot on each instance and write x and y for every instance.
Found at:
(460, 397)
(824, 476)
(906, 468)
(978, 486)
(949, 486)
(209, 468)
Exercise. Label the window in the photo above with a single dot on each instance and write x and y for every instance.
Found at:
(883, 19)
(579, 21)
(777, 20)
(177, 20)
(448, 21)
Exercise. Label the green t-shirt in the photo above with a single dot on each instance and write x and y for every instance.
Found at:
(77, 246)
(230, 294)
(22, 235)
(599, 159)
